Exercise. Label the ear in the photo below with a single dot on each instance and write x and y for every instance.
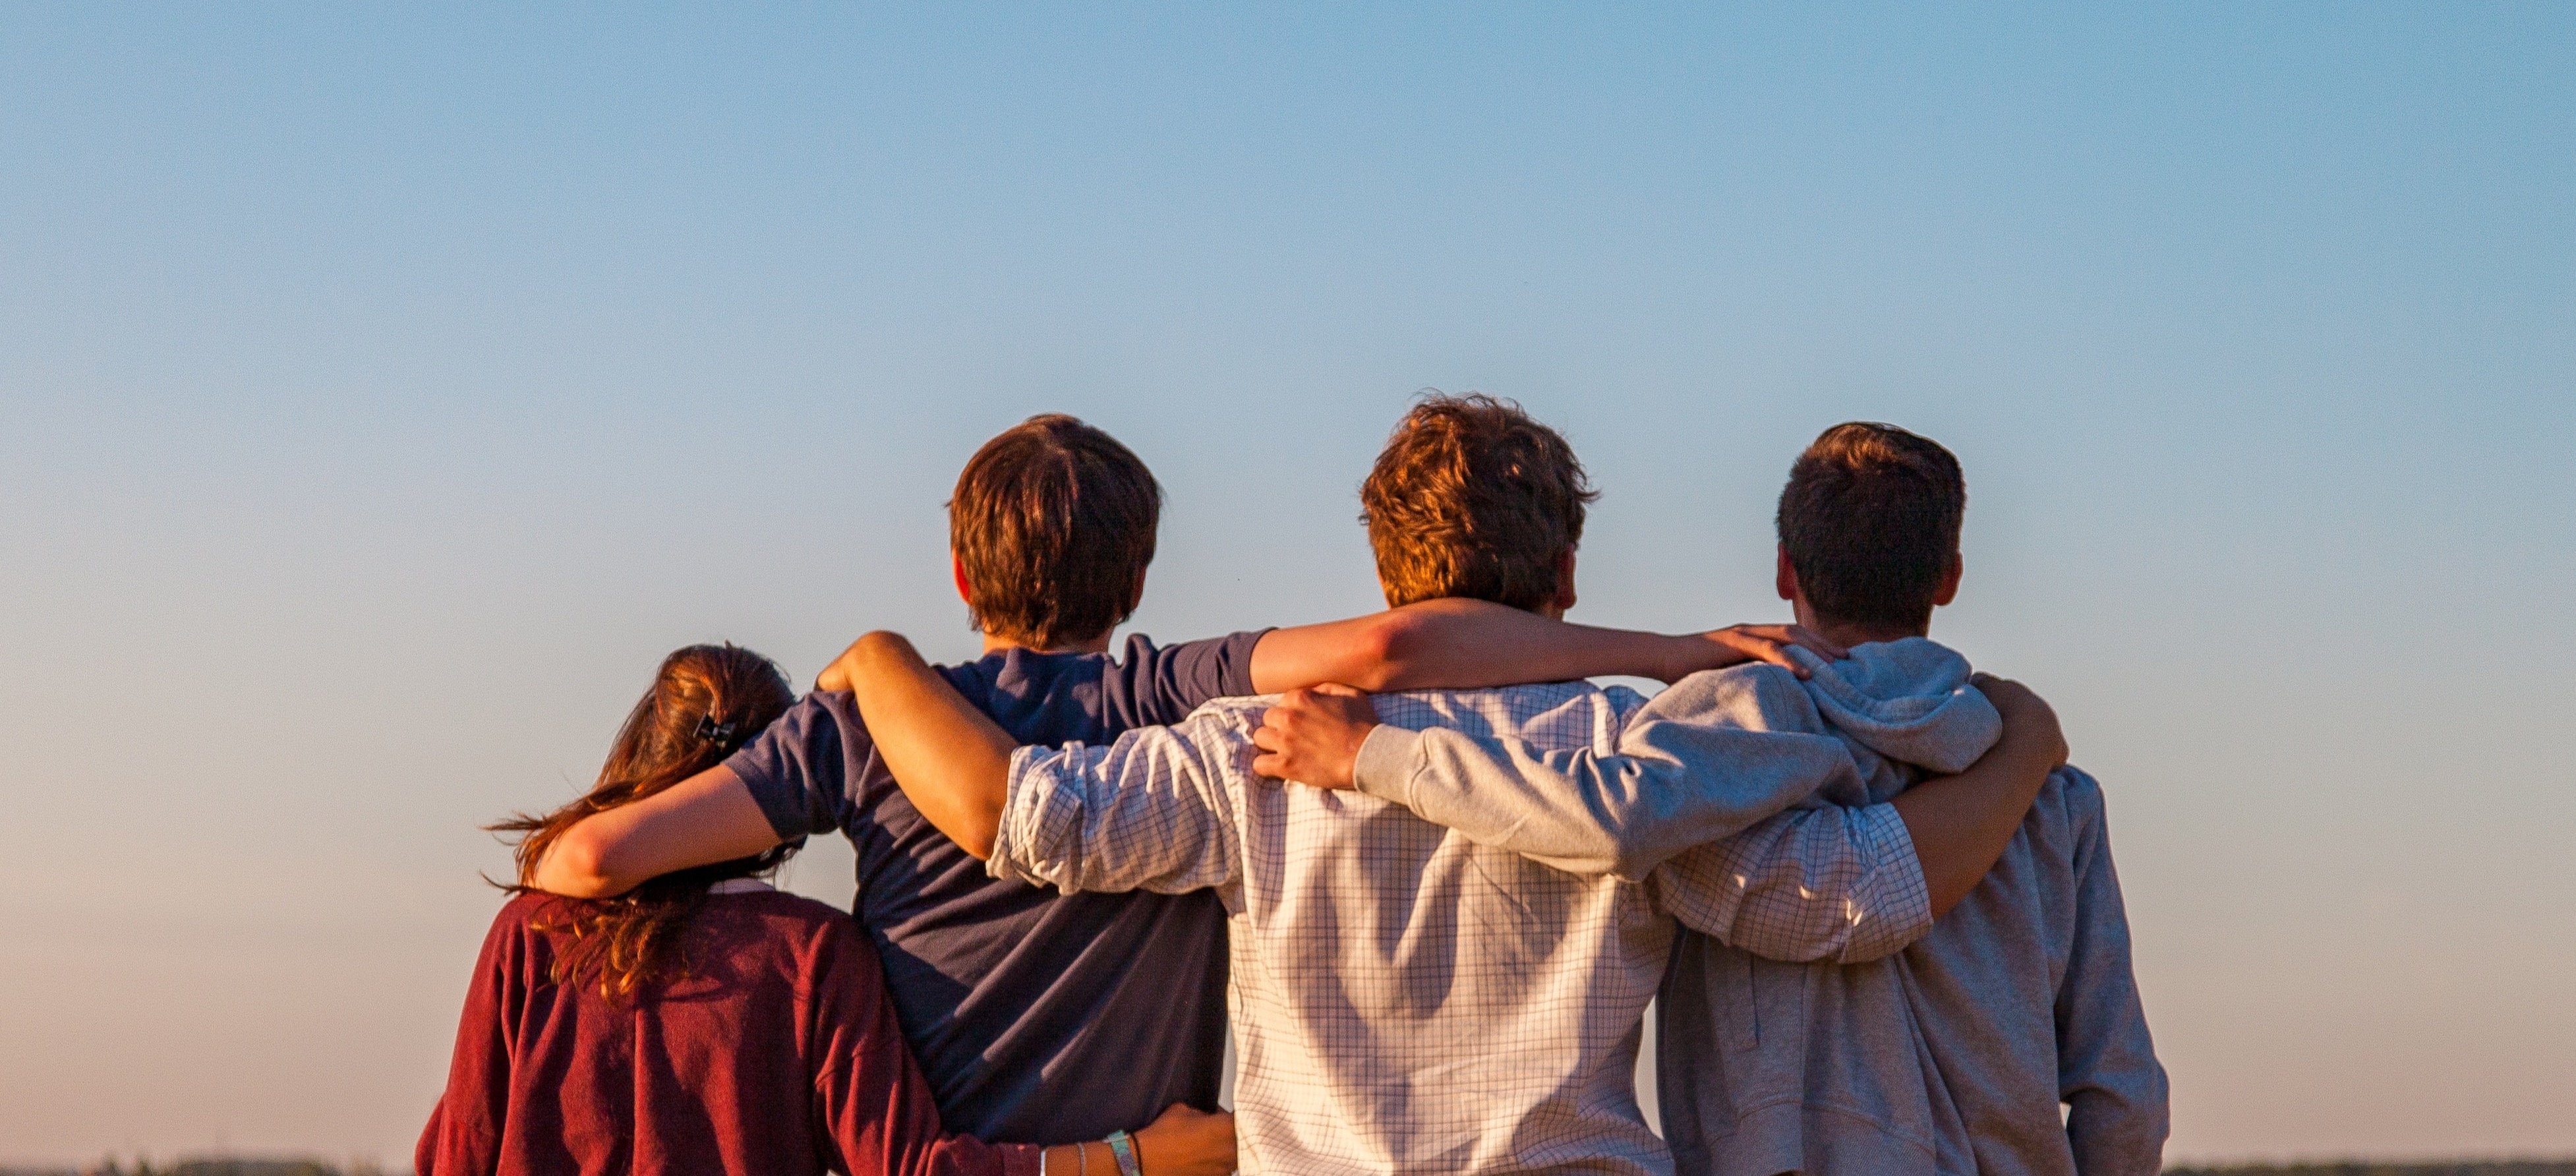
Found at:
(1565, 582)
(1784, 580)
(957, 568)
(1136, 595)
(1949, 589)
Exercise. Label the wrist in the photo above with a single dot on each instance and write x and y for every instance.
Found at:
(1122, 1146)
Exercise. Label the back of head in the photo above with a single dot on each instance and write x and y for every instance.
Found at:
(706, 702)
(1053, 522)
(1472, 498)
(1870, 521)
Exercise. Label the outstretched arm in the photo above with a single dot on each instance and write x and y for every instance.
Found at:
(1461, 644)
(709, 817)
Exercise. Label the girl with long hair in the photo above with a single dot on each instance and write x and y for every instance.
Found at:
(705, 1022)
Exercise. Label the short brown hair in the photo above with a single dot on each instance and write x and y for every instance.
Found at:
(1472, 498)
(1054, 521)
(1870, 521)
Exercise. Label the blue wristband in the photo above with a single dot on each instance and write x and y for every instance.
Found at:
(1123, 1146)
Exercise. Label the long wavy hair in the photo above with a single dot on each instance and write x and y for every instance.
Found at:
(706, 701)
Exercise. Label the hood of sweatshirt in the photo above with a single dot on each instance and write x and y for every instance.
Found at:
(1908, 701)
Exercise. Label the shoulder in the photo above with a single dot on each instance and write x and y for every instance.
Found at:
(1557, 713)
(2080, 794)
(525, 924)
(811, 928)
(1219, 720)
(1756, 695)
(823, 720)
(797, 910)
(535, 909)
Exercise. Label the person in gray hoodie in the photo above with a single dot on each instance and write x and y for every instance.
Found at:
(1955, 1053)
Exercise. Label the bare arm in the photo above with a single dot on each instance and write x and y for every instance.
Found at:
(952, 761)
(1961, 824)
(709, 817)
(1460, 644)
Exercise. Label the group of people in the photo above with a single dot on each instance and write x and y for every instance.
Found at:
(1421, 873)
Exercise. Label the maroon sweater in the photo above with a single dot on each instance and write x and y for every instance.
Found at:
(779, 1054)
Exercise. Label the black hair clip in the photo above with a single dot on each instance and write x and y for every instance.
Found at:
(714, 732)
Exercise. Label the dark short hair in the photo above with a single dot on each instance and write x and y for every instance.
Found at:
(1054, 521)
(1472, 498)
(1870, 520)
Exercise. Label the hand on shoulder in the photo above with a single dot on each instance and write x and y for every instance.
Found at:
(1735, 645)
(1313, 736)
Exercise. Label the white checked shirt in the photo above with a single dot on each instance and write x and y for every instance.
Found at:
(1404, 999)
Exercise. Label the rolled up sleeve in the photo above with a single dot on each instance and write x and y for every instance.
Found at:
(1820, 883)
(1151, 811)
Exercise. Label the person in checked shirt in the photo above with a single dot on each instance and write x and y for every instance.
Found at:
(1405, 998)
(2009, 1041)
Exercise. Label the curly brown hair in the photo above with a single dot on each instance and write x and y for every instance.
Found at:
(1473, 498)
(706, 701)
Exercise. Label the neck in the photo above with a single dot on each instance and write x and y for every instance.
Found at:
(1847, 635)
(997, 642)
(1850, 633)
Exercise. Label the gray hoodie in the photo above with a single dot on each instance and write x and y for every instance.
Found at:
(1950, 1056)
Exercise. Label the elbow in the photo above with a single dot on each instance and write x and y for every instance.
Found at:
(982, 832)
(576, 866)
(1628, 846)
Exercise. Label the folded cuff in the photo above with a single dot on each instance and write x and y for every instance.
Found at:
(1018, 838)
(1893, 906)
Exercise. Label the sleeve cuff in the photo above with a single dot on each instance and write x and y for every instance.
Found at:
(1023, 816)
(1387, 762)
(1238, 663)
(1902, 910)
(779, 800)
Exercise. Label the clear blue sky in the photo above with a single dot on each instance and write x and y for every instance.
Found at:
(383, 391)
